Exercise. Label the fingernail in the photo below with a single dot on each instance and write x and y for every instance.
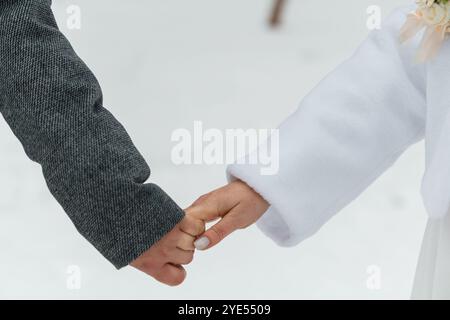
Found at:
(201, 243)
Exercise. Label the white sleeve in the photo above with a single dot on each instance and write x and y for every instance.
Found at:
(345, 133)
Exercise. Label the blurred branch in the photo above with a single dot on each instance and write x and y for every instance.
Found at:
(277, 12)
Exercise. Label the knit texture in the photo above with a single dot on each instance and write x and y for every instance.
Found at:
(53, 104)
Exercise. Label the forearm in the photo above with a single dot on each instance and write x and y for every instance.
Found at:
(345, 133)
(53, 104)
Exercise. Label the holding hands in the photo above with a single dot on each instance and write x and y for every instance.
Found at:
(236, 205)
(164, 260)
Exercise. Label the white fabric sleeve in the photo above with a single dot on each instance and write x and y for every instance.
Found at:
(432, 280)
(345, 133)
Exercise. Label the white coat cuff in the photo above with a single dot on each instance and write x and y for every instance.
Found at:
(276, 221)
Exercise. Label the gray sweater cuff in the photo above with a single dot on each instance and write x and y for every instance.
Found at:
(53, 103)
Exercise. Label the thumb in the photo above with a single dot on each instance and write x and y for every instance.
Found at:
(217, 232)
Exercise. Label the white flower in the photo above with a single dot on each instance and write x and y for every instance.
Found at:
(425, 3)
(435, 14)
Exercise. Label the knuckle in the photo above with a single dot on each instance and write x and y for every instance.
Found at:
(202, 199)
(199, 227)
(191, 245)
(188, 244)
(199, 200)
(193, 226)
(184, 246)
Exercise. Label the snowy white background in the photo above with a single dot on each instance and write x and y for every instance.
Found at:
(164, 64)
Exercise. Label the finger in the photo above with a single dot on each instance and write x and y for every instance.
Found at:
(203, 212)
(204, 208)
(172, 275)
(214, 204)
(182, 257)
(192, 226)
(217, 233)
(186, 242)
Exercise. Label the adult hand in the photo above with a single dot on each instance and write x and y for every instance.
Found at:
(236, 204)
(164, 260)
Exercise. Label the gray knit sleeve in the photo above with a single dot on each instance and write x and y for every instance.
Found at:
(53, 104)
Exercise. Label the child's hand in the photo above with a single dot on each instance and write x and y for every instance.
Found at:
(164, 260)
(238, 206)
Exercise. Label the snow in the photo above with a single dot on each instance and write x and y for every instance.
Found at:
(165, 64)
